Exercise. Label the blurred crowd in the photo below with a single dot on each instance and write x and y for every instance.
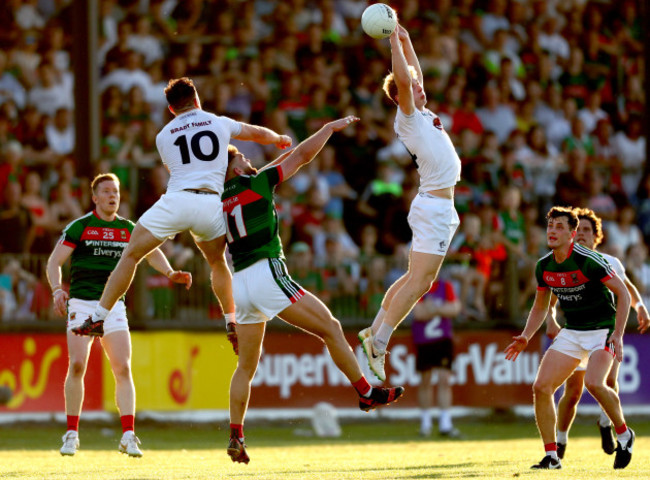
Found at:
(542, 98)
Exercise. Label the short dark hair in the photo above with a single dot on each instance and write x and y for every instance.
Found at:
(568, 212)
(596, 223)
(104, 177)
(180, 93)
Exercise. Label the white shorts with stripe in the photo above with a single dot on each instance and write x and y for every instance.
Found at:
(581, 344)
(175, 212)
(79, 310)
(434, 221)
(263, 290)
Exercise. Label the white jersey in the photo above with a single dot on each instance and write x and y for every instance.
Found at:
(616, 265)
(194, 147)
(430, 147)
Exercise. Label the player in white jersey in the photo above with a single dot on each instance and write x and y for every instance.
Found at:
(590, 234)
(194, 148)
(432, 217)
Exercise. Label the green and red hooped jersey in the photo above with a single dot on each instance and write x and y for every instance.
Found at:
(98, 246)
(579, 284)
(251, 219)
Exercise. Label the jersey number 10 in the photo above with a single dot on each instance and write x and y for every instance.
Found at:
(195, 144)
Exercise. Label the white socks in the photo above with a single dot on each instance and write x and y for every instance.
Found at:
(379, 318)
(100, 313)
(604, 420)
(562, 437)
(444, 423)
(382, 337)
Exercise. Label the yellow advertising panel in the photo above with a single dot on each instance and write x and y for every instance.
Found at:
(177, 371)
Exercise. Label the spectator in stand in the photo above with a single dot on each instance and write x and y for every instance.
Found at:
(65, 207)
(338, 188)
(12, 168)
(60, 133)
(40, 237)
(630, 147)
(48, 95)
(578, 138)
(623, 233)
(128, 74)
(473, 254)
(571, 185)
(15, 221)
(573, 80)
(30, 132)
(560, 128)
(604, 151)
(143, 41)
(495, 115)
(592, 112)
(10, 87)
(599, 200)
(300, 262)
(551, 40)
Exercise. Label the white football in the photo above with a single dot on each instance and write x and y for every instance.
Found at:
(379, 20)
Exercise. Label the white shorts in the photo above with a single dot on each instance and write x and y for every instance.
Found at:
(434, 221)
(79, 310)
(581, 344)
(175, 212)
(263, 290)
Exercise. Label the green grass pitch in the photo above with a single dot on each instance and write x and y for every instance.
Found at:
(378, 449)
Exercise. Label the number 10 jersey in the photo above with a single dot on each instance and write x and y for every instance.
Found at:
(194, 147)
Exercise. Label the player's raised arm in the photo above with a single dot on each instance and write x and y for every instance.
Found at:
(309, 148)
(402, 74)
(409, 51)
(262, 135)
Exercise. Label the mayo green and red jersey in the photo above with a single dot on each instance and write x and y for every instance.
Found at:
(578, 283)
(251, 218)
(98, 246)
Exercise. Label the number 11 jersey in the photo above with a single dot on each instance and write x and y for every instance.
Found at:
(194, 147)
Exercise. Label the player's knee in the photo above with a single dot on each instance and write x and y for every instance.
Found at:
(572, 396)
(122, 370)
(77, 368)
(595, 387)
(541, 388)
(331, 328)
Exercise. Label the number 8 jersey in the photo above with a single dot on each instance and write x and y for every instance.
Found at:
(194, 148)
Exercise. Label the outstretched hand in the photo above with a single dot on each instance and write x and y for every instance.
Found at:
(179, 276)
(341, 123)
(402, 33)
(231, 334)
(518, 345)
(284, 142)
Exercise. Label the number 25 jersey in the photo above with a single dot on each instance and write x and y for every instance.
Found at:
(194, 147)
